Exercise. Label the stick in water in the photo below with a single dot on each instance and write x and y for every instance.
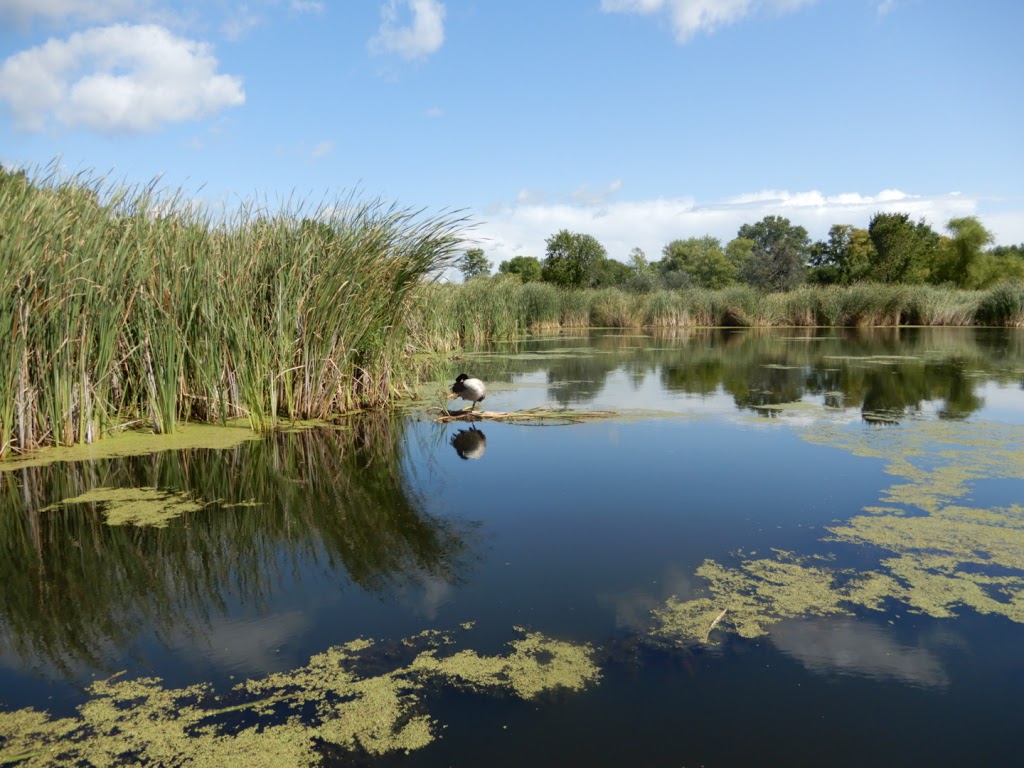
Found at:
(718, 618)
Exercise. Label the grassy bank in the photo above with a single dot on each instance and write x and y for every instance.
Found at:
(128, 304)
(500, 308)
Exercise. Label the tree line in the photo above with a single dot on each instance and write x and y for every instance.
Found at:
(776, 255)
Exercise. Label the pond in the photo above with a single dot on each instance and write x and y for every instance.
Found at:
(732, 547)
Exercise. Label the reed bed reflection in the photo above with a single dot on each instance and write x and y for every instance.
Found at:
(327, 501)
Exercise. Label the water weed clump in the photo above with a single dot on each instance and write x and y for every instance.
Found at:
(132, 304)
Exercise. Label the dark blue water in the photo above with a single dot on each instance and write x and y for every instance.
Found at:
(574, 530)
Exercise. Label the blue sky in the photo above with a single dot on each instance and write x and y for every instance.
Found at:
(636, 121)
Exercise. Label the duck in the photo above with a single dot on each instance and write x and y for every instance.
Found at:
(469, 389)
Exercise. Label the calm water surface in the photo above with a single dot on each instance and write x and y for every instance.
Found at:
(731, 447)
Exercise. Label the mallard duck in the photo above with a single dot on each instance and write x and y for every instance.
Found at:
(469, 389)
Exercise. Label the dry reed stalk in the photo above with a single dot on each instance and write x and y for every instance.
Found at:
(718, 618)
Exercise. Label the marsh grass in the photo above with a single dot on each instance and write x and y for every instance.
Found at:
(1003, 305)
(500, 307)
(612, 308)
(130, 303)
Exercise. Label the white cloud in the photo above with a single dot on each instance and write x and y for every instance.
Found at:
(522, 227)
(692, 17)
(304, 6)
(82, 10)
(435, 112)
(122, 78)
(631, 6)
(241, 23)
(323, 149)
(423, 36)
(596, 197)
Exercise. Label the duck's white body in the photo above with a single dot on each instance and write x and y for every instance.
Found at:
(469, 389)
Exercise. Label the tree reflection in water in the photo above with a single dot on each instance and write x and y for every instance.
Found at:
(886, 373)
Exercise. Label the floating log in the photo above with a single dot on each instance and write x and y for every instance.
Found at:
(544, 415)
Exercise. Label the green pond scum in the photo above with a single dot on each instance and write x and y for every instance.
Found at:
(936, 554)
(140, 442)
(362, 696)
(137, 506)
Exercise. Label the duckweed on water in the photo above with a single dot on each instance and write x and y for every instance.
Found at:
(536, 664)
(138, 506)
(755, 595)
(936, 557)
(287, 715)
(140, 443)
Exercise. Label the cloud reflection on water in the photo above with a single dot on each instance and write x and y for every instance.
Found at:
(851, 647)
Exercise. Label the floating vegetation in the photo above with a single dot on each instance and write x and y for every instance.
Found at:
(138, 506)
(138, 442)
(285, 719)
(936, 556)
(753, 596)
(537, 664)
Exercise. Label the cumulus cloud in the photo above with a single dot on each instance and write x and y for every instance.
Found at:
(121, 78)
(520, 228)
(692, 17)
(422, 36)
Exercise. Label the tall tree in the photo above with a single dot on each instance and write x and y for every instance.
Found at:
(611, 273)
(779, 254)
(527, 268)
(572, 259)
(961, 252)
(903, 250)
(701, 260)
(842, 259)
(740, 251)
(474, 264)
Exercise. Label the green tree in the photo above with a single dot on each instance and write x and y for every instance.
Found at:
(1009, 251)
(572, 259)
(644, 277)
(701, 260)
(611, 273)
(779, 253)
(527, 268)
(474, 264)
(638, 260)
(961, 253)
(842, 259)
(904, 251)
(740, 252)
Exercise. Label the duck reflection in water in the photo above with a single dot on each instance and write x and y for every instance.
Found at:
(469, 443)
